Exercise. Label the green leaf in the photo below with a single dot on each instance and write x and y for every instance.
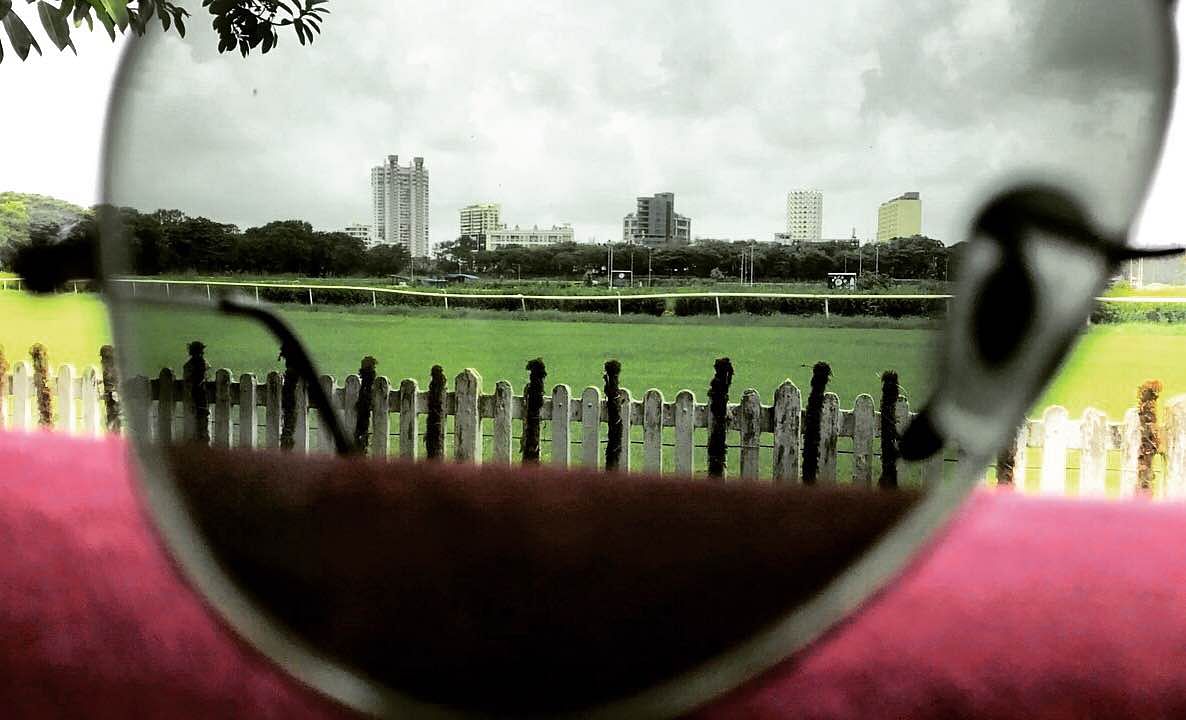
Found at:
(55, 25)
(105, 20)
(20, 36)
(117, 10)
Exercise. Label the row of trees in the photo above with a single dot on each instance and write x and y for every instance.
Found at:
(168, 241)
(916, 257)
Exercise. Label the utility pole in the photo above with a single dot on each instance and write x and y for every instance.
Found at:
(649, 267)
(877, 259)
(610, 266)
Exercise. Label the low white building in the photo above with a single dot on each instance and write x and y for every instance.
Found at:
(528, 237)
(360, 231)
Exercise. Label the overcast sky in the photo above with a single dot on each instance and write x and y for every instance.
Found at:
(564, 112)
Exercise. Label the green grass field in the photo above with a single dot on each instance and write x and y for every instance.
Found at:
(670, 355)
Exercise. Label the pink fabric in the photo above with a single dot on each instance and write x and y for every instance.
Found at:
(1026, 608)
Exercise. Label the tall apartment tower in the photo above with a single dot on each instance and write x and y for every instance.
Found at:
(805, 215)
(900, 217)
(478, 221)
(399, 196)
(655, 222)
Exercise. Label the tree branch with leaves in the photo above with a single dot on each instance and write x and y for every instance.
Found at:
(242, 25)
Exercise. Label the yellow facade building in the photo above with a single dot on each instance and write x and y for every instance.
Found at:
(900, 217)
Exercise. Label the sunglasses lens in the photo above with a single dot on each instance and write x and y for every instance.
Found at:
(647, 264)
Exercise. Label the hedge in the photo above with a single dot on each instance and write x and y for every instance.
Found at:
(1113, 312)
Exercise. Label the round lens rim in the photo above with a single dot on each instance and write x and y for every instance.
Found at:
(887, 558)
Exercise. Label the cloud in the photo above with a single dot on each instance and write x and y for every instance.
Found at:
(564, 112)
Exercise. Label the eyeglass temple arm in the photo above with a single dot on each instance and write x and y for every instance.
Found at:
(299, 360)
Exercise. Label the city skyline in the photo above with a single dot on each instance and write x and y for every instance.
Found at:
(728, 108)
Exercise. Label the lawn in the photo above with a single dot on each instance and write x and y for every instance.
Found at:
(670, 355)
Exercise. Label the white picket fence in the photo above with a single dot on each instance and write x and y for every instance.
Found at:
(248, 413)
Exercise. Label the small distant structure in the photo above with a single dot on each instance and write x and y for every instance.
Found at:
(460, 278)
(842, 281)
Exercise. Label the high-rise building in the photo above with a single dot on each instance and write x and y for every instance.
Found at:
(399, 197)
(478, 220)
(528, 237)
(360, 231)
(655, 223)
(805, 215)
(900, 217)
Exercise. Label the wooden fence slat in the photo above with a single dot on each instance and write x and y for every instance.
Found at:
(1175, 448)
(272, 415)
(561, 419)
(1053, 480)
(222, 409)
(749, 413)
(91, 397)
(684, 419)
(248, 414)
(1093, 453)
(788, 416)
(590, 426)
(901, 420)
(350, 402)
(380, 416)
(165, 406)
(300, 427)
(325, 438)
(863, 431)
(136, 399)
(1130, 447)
(409, 426)
(652, 431)
(828, 434)
(65, 420)
(467, 427)
(629, 419)
(22, 396)
(504, 396)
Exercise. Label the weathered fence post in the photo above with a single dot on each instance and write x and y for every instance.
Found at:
(248, 415)
(467, 427)
(684, 412)
(409, 424)
(1093, 453)
(628, 421)
(91, 396)
(381, 417)
(504, 398)
(613, 415)
(66, 421)
(110, 388)
(196, 421)
(222, 408)
(590, 426)
(863, 431)
(1054, 451)
(718, 416)
(749, 413)
(364, 405)
(434, 424)
(890, 392)
(1175, 448)
(45, 400)
(787, 419)
(1150, 437)
(652, 431)
(561, 419)
(812, 433)
(534, 402)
